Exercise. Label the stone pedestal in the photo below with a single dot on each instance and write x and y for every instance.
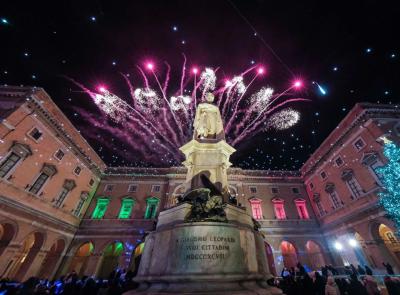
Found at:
(207, 157)
(204, 257)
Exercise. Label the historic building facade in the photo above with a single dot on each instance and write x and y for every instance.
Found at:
(343, 185)
(56, 218)
(48, 174)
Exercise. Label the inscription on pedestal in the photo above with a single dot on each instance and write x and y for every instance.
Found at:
(209, 248)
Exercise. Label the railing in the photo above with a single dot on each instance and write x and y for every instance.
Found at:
(288, 222)
(146, 224)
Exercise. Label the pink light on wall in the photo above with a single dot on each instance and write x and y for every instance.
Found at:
(256, 208)
(279, 208)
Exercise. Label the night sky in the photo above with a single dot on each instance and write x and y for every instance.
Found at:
(351, 50)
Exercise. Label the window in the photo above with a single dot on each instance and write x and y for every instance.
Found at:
(155, 188)
(256, 208)
(109, 188)
(61, 197)
(323, 175)
(151, 208)
(274, 190)
(126, 208)
(302, 209)
(354, 187)
(77, 170)
(59, 155)
(38, 184)
(253, 189)
(392, 239)
(295, 190)
(321, 210)
(335, 200)
(279, 208)
(35, 134)
(132, 188)
(91, 182)
(338, 161)
(374, 168)
(81, 202)
(78, 207)
(359, 144)
(101, 208)
(9, 163)
(68, 185)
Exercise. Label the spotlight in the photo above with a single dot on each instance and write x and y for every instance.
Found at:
(338, 246)
(102, 88)
(353, 243)
(195, 70)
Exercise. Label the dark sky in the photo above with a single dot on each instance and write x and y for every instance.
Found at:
(350, 49)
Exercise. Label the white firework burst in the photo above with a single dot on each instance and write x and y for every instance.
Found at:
(112, 105)
(147, 99)
(283, 119)
(180, 102)
(260, 100)
(208, 79)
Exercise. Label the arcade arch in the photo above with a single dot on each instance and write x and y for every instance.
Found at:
(51, 259)
(81, 258)
(7, 232)
(289, 254)
(110, 258)
(315, 255)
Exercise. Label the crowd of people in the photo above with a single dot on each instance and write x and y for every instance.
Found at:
(329, 281)
(118, 282)
(293, 281)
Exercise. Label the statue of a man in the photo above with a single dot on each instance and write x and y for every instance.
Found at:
(208, 122)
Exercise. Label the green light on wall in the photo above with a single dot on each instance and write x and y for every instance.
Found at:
(151, 208)
(126, 208)
(114, 249)
(101, 208)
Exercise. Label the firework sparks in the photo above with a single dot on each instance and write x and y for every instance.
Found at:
(283, 119)
(261, 99)
(159, 121)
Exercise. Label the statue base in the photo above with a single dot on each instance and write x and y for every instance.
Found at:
(204, 257)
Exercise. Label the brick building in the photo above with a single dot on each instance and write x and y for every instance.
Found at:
(95, 218)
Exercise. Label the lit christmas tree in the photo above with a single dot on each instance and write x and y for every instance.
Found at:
(390, 198)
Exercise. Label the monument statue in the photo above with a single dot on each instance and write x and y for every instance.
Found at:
(206, 244)
(208, 123)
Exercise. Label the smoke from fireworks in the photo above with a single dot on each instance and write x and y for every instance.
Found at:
(157, 121)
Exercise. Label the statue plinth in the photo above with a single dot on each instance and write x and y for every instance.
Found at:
(204, 257)
(209, 158)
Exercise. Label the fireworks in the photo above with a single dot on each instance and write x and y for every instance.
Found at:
(261, 99)
(147, 99)
(284, 119)
(156, 121)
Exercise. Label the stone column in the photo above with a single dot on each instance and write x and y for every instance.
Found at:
(93, 264)
(7, 256)
(36, 264)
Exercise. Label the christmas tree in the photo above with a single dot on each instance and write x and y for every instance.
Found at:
(390, 198)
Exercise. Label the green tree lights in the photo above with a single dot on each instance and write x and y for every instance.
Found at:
(390, 174)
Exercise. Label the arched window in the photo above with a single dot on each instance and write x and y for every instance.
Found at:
(256, 209)
(302, 208)
(101, 208)
(126, 208)
(279, 208)
(151, 208)
(352, 183)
